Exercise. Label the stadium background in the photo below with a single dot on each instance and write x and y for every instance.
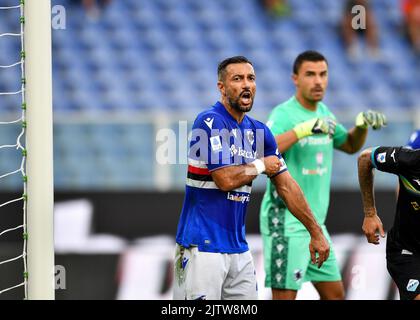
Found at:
(143, 66)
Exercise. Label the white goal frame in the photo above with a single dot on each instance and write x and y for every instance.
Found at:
(39, 146)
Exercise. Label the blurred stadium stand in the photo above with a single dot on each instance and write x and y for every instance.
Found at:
(145, 58)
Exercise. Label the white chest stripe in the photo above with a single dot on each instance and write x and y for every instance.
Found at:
(212, 185)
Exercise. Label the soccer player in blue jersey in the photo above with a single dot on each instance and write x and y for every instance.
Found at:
(228, 150)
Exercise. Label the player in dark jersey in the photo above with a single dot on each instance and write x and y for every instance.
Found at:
(403, 241)
(228, 150)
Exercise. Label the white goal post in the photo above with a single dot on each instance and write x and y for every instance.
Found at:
(39, 146)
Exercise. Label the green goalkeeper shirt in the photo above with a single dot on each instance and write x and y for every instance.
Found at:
(309, 162)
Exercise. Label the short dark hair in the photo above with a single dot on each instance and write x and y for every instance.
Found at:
(310, 55)
(221, 69)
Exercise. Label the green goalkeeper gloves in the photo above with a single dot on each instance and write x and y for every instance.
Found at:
(315, 126)
(375, 119)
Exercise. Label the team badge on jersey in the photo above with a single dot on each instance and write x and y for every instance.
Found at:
(250, 136)
(381, 157)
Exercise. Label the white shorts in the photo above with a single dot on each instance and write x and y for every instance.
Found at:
(214, 276)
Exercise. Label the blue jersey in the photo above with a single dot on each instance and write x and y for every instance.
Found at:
(414, 142)
(212, 219)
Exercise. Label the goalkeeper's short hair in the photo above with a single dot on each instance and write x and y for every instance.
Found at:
(310, 55)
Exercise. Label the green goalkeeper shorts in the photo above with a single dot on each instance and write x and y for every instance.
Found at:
(288, 262)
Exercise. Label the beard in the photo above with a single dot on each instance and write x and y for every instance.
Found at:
(314, 100)
(234, 103)
(313, 96)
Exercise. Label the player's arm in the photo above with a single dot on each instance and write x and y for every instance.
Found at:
(235, 176)
(372, 224)
(288, 189)
(286, 140)
(356, 136)
(307, 128)
(211, 145)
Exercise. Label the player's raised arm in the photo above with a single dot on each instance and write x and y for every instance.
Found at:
(290, 192)
(303, 130)
(357, 135)
(372, 224)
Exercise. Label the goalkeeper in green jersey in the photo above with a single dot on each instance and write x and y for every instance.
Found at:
(306, 133)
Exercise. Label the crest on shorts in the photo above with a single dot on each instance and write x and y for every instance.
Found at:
(412, 285)
(297, 275)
